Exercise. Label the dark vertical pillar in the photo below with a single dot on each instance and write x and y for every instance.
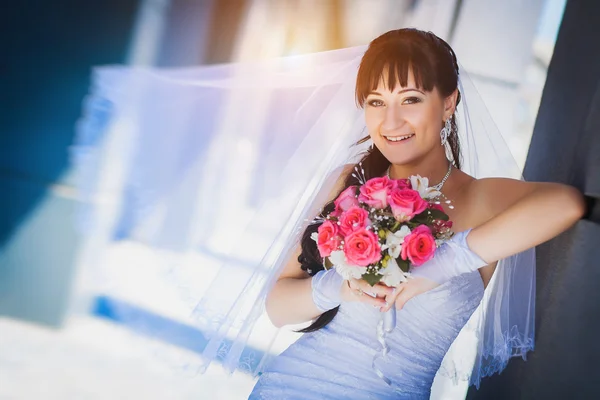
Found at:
(565, 148)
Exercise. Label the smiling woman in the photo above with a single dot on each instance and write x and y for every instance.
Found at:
(405, 124)
(407, 101)
(408, 85)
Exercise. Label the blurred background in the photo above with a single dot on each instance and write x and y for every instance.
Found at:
(50, 350)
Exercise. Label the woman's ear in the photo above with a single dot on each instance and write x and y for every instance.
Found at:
(450, 104)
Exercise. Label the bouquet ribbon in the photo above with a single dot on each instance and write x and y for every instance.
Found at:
(386, 325)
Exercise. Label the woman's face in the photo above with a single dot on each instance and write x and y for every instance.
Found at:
(405, 124)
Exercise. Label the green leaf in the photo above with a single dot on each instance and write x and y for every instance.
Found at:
(437, 214)
(372, 278)
(403, 264)
(427, 216)
(327, 264)
(420, 219)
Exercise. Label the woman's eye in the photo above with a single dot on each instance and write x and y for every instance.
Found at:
(375, 103)
(411, 100)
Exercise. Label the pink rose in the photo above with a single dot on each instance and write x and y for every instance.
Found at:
(375, 192)
(406, 203)
(353, 219)
(362, 248)
(347, 199)
(418, 246)
(402, 183)
(328, 238)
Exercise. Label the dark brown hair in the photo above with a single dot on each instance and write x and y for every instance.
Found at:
(433, 65)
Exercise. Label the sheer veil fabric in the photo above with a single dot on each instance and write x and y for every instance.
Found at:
(234, 161)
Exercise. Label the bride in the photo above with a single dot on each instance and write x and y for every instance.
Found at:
(408, 86)
(196, 172)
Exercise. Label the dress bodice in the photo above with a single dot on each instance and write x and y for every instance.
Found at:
(335, 361)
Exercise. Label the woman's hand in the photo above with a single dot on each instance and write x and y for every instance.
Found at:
(407, 290)
(360, 290)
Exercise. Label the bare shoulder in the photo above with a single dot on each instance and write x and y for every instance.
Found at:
(504, 190)
(485, 198)
(491, 196)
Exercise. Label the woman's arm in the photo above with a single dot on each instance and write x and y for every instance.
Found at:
(518, 215)
(291, 299)
(537, 213)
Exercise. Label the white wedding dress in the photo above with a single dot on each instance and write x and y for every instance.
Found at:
(335, 361)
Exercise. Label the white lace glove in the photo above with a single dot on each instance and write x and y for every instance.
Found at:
(453, 258)
(326, 289)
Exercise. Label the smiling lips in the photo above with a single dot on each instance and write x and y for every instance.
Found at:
(395, 139)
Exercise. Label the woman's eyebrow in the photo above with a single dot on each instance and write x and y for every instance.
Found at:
(401, 91)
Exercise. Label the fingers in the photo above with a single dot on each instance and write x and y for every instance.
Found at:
(402, 299)
(378, 290)
(391, 298)
(412, 288)
(377, 302)
(384, 297)
(384, 290)
(366, 293)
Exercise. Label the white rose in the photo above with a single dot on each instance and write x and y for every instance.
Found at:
(345, 269)
(393, 241)
(392, 274)
(421, 185)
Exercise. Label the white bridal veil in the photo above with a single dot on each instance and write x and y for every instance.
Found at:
(208, 175)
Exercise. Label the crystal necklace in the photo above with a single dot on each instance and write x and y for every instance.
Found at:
(438, 186)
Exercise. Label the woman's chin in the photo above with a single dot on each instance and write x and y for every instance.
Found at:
(406, 156)
(401, 159)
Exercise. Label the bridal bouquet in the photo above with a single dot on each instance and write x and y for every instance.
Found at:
(378, 230)
(382, 227)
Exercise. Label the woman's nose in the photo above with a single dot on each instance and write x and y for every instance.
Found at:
(392, 119)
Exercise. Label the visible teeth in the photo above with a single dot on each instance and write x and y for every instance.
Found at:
(399, 138)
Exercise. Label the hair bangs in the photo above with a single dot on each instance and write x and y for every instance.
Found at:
(392, 64)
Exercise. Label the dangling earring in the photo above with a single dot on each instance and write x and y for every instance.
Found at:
(445, 132)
